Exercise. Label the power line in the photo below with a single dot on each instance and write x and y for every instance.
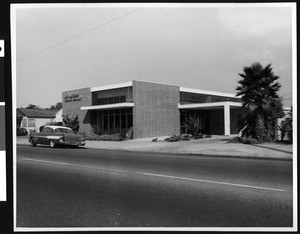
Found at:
(80, 34)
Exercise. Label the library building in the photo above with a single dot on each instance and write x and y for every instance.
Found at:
(151, 109)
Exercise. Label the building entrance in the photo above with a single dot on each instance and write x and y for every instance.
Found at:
(115, 121)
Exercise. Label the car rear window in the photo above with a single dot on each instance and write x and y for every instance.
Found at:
(64, 130)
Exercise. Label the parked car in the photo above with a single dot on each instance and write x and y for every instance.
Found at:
(56, 135)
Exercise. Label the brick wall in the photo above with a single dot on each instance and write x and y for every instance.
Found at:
(155, 111)
(70, 107)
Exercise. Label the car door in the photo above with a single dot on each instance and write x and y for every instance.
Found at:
(42, 138)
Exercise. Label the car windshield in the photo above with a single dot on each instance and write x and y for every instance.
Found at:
(64, 130)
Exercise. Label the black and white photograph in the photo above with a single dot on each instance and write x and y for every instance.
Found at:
(154, 116)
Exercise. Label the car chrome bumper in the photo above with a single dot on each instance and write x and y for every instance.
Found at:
(81, 143)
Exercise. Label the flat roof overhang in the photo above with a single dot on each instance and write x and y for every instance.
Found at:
(112, 86)
(207, 106)
(108, 106)
(207, 92)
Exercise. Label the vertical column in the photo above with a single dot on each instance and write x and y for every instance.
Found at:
(226, 119)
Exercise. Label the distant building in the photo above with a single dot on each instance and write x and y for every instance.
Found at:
(151, 109)
(58, 116)
(32, 119)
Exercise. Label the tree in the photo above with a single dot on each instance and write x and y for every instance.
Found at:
(260, 101)
(32, 106)
(54, 123)
(286, 127)
(57, 106)
(71, 121)
(290, 124)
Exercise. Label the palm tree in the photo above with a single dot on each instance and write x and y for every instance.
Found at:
(258, 90)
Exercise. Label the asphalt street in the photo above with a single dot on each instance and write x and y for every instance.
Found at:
(68, 187)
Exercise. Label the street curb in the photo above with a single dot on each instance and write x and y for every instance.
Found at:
(197, 155)
(190, 154)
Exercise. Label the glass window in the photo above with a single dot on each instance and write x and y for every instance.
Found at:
(129, 120)
(123, 99)
(111, 123)
(31, 122)
(116, 99)
(100, 101)
(105, 122)
(117, 123)
(64, 130)
(104, 101)
(110, 100)
(123, 121)
(99, 118)
(47, 130)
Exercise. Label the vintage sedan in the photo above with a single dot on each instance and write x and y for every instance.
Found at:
(56, 135)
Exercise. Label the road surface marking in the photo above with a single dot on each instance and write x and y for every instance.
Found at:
(156, 175)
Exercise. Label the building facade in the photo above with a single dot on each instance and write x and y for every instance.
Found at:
(151, 109)
(33, 119)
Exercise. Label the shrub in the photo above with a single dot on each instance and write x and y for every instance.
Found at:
(286, 129)
(129, 134)
(194, 125)
(104, 137)
(184, 137)
(32, 131)
(235, 140)
(199, 136)
(244, 140)
(54, 123)
(173, 138)
(71, 121)
(112, 137)
(250, 141)
(22, 132)
(89, 136)
(97, 130)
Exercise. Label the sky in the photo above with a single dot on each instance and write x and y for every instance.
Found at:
(66, 47)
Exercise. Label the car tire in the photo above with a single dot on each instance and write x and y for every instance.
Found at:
(52, 144)
(32, 142)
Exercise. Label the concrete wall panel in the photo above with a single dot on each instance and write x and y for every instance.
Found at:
(155, 111)
(70, 107)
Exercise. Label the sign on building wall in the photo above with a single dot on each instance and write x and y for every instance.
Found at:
(73, 97)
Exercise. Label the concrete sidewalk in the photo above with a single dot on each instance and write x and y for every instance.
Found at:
(215, 146)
